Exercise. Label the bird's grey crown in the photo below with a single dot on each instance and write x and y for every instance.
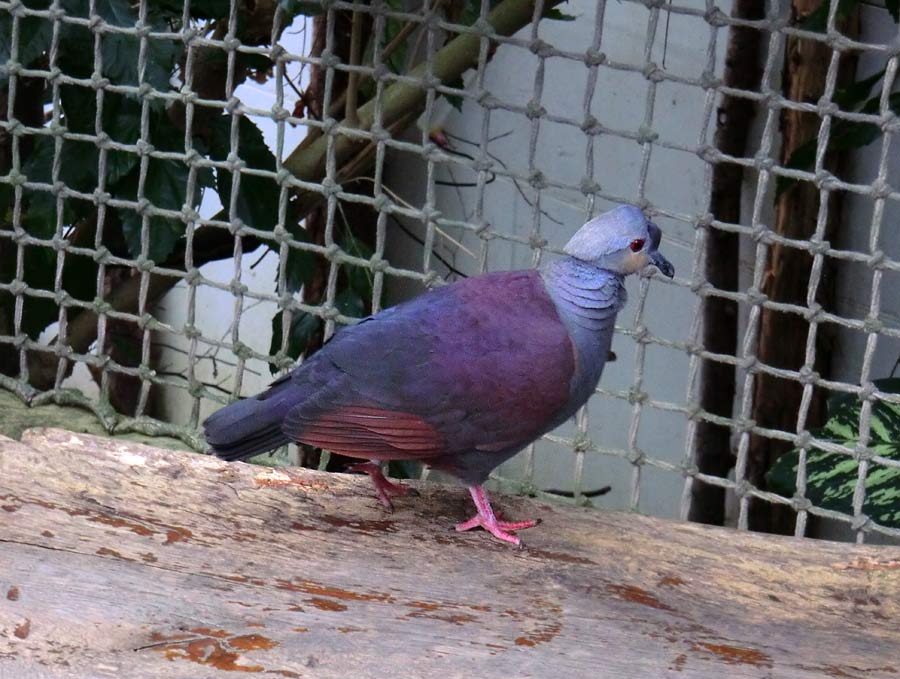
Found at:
(608, 233)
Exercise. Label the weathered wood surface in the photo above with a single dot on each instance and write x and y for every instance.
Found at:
(118, 559)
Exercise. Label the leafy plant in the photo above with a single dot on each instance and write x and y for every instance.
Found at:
(153, 170)
(859, 97)
(818, 20)
(163, 182)
(831, 478)
(845, 134)
(353, 296)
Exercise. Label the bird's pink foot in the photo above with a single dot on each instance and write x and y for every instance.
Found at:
(384, 489)
(485, 518)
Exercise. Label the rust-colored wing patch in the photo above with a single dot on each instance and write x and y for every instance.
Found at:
(366, 432)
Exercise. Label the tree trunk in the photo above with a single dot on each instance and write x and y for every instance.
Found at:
(783, 336)
(735, 116)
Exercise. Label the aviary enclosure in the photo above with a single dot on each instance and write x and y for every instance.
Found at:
(196, 195)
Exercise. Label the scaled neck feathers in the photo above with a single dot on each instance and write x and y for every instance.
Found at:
(585, 295)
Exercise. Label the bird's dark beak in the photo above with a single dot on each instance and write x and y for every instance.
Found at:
(656, 259)
(664, 265)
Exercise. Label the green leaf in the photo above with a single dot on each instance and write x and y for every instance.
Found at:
(257, 200)
(116, 12)
(127, 350)
(78, 280)
(40, 217)
(257, 62)
(200, 9)
(7, 198)
(358, 278)
(455, 100)
(304, 327)
(349, 303)
(294, 8)
(818, 20)
(554, 14)
(845, 135)
(120, 51)
(397, 469)
(165, 185)
(392, 26)
(39, 273)
(79, 105)
(850, 97)
(122, 122)
(472, 11)
(893, 6)
(832, 477)
(120, 60)
(301, 264)
(78, 170)
(164, 188)
(35, 34)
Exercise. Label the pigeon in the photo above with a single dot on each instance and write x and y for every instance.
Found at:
(462, 377)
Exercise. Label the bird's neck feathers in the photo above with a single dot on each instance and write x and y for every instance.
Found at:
(585, 295)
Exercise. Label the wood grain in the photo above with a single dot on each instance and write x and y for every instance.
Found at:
(118, 559)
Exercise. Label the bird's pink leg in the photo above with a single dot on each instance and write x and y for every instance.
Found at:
(486, 519)
(384, 489)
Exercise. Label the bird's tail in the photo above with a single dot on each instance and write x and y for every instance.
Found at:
(253, 425)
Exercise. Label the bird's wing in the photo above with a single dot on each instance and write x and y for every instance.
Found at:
(366, 431)
(483, 364)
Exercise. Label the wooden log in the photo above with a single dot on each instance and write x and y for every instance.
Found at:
(118, 559)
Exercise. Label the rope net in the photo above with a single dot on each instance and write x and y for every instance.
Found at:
(175, 176)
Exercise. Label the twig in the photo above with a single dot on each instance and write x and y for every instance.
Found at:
(261, 257)
(207, 356)
(348, 232)
(352, 119)
(588, 493)
(386, 53)
(167, 373)
(666, 35)
(505, 167)
(421, 242)
(450, 149)
(290, 82)
(169, 642)
(411, 54)
(400, 200)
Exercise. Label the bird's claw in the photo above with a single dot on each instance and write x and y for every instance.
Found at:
(501, 530)
(486, 519)
(384, 489)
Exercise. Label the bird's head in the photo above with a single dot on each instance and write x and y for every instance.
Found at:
(622, 240)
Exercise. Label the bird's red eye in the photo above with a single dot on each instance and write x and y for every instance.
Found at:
(637, 244)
